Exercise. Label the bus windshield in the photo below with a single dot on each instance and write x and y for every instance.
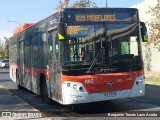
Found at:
(102, 46)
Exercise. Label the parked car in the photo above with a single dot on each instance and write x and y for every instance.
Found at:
(4, 63)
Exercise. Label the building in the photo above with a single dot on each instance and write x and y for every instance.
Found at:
(150, 54)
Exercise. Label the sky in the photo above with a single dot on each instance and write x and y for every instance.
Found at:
(32, 11)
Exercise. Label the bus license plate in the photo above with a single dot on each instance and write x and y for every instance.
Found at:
(111, 94)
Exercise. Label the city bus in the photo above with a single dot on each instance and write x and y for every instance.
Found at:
(81, 55)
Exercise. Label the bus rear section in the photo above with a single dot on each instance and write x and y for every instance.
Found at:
(102, 56)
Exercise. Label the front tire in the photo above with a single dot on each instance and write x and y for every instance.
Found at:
(44, 91)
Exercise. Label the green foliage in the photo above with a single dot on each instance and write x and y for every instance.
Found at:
(77, 4)
(83, 4)
(3, 51)
(153, 79)
(154, 25)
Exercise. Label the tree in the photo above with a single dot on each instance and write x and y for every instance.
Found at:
(6, 47)
(4, 50)
(77, 4)
(83, 4)
(154, 25)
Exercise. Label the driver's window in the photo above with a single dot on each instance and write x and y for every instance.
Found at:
(74, 49)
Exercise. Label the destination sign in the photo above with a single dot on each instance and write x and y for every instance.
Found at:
(75, 29)
(95, 17)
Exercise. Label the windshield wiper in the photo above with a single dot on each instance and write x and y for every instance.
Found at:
(95, 60)
(102, 31)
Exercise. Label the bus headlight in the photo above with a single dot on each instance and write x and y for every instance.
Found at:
(137, 82)
(141, 91)
(80, 88)
(74, 86)
(75, 98)
(68, 84)
(141, 79)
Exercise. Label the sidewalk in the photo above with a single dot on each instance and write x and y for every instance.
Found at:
(152, 74)
(11, 105)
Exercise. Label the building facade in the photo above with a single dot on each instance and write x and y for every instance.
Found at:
(151, 55)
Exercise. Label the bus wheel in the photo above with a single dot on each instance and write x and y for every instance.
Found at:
(44, 91)
(18, 81)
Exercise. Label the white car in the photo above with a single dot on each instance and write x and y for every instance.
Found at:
(4, 63)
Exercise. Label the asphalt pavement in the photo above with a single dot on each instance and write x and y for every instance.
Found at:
(23, 104)
(12, 107)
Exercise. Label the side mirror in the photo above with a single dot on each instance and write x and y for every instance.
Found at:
(144, 33)
(61, 31)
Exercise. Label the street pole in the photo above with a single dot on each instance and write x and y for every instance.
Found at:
(106, 4)
(13, 21)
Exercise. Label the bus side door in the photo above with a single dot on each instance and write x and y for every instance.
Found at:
(21, 62)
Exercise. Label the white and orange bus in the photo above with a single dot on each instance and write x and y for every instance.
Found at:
(81, 55)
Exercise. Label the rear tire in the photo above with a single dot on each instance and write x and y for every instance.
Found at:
(18, 81)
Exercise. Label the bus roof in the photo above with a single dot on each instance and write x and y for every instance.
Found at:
(74, 11)
(99, 9)
(21, 28)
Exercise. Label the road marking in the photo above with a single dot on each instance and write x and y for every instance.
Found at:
(157, 108)
(147, 104)
(42, 104)
(144, 104)
(141, 100)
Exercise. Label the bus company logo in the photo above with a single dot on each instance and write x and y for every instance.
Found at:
(89, 81)
(110, 84)
(53, 21)
(108, 70)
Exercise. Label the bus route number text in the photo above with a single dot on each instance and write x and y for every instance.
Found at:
(75, 29)
(96, 18)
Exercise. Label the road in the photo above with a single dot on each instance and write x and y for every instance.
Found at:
(94, 111)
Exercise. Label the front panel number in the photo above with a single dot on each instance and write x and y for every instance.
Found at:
(111, 94)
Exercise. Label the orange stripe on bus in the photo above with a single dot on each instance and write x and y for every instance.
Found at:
(122, 81)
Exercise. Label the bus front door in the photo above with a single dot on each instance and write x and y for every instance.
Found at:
(54, 65)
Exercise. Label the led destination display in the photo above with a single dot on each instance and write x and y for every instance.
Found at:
(96, 18)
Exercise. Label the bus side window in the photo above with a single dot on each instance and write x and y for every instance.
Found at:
(124, 47)
(50, 44)
(53, 44)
